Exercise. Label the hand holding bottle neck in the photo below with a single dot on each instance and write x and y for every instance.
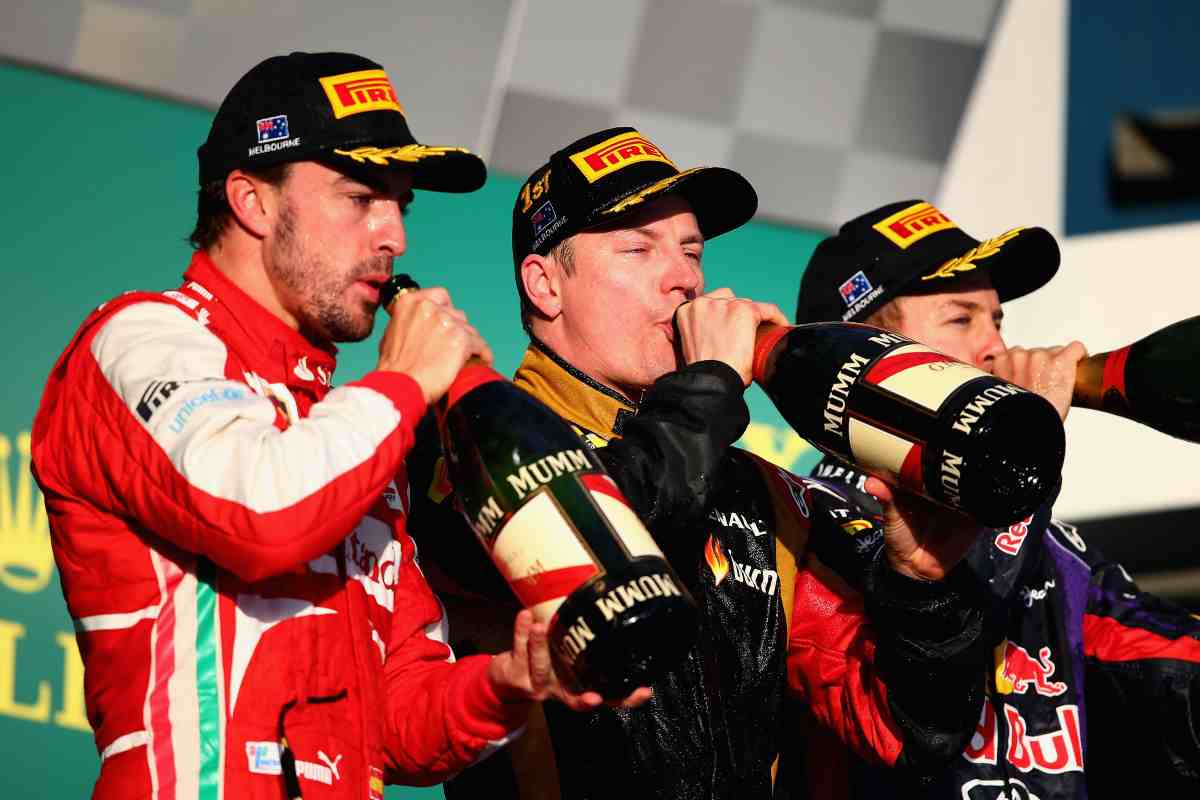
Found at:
(719, 326)
(428, 339)
(1152, 381)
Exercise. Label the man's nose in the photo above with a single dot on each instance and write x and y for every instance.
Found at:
(390, 236)
(992, 346)
(685, 275)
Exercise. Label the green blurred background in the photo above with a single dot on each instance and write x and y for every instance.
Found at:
(101, 187)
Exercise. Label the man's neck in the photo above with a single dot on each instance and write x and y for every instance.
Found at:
(242, 263)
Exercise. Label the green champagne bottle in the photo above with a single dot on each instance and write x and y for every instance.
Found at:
(563, 535)
(1154, 381)
(914, 417)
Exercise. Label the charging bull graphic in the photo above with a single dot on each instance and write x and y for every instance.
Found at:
(1016, 671)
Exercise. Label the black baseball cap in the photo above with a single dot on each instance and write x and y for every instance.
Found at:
(339, 109)
(610, 173)
(897, 248)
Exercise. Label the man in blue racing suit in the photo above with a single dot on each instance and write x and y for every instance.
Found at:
(1064, 617)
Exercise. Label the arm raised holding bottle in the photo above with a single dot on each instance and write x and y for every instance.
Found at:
(1149, 381)
(923, 542)
(1152, 381)
(865, 676)
(429, 339)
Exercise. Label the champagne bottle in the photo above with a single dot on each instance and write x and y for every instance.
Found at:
(915, 417)
(1153, 381)
(562, 534)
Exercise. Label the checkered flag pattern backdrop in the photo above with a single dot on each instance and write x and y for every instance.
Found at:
(830, 107)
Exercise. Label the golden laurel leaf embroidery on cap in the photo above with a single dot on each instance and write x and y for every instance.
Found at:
(409, 153)
(966, 261)
(653, 188)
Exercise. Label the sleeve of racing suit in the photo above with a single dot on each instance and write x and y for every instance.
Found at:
(895, 667)
(667, 458)
(166, 438)
(1142, 661)
(442, 715)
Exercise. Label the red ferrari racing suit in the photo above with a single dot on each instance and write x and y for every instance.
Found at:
(230, 532)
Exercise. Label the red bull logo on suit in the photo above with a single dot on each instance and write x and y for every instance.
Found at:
(1017, 671)
(1056, 751)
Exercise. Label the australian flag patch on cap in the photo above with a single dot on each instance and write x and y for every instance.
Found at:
(272, 129)
(854, 288)
(543, 218)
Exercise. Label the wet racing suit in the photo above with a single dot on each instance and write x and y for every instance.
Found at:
(739, 532)
(1068, 623)
(231, 536)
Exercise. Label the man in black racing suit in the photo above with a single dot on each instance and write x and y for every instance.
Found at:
(1064, 617)
(607, 239)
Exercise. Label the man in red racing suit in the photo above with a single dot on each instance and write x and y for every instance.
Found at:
(229, 528)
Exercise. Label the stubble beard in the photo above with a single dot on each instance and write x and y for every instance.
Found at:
(325, 314)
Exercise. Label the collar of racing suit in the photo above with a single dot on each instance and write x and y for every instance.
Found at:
(595, 411)
(301, 363)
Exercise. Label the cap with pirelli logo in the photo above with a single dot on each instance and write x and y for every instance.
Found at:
(600, 177)
(912, 247)
(336, 108)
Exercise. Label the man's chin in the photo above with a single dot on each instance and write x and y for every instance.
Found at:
(347, 331)
(359, 333)
(662, 367)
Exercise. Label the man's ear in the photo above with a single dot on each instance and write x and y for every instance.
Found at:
(542, 278)
(254, 203)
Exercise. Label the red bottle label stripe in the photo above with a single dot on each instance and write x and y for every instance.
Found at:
(910, 471)
(471, 377)
(1114, 371)
(890, 365)
(764, 345)
(552, 584)
(599, 482)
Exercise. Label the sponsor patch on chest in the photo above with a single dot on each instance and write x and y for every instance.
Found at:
(373, 558)
(734, 519)
(723, 565)
(1055, 751)
(262, 758)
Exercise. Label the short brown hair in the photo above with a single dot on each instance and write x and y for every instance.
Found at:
(212, 206)
(888, 316)
(564, 254)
